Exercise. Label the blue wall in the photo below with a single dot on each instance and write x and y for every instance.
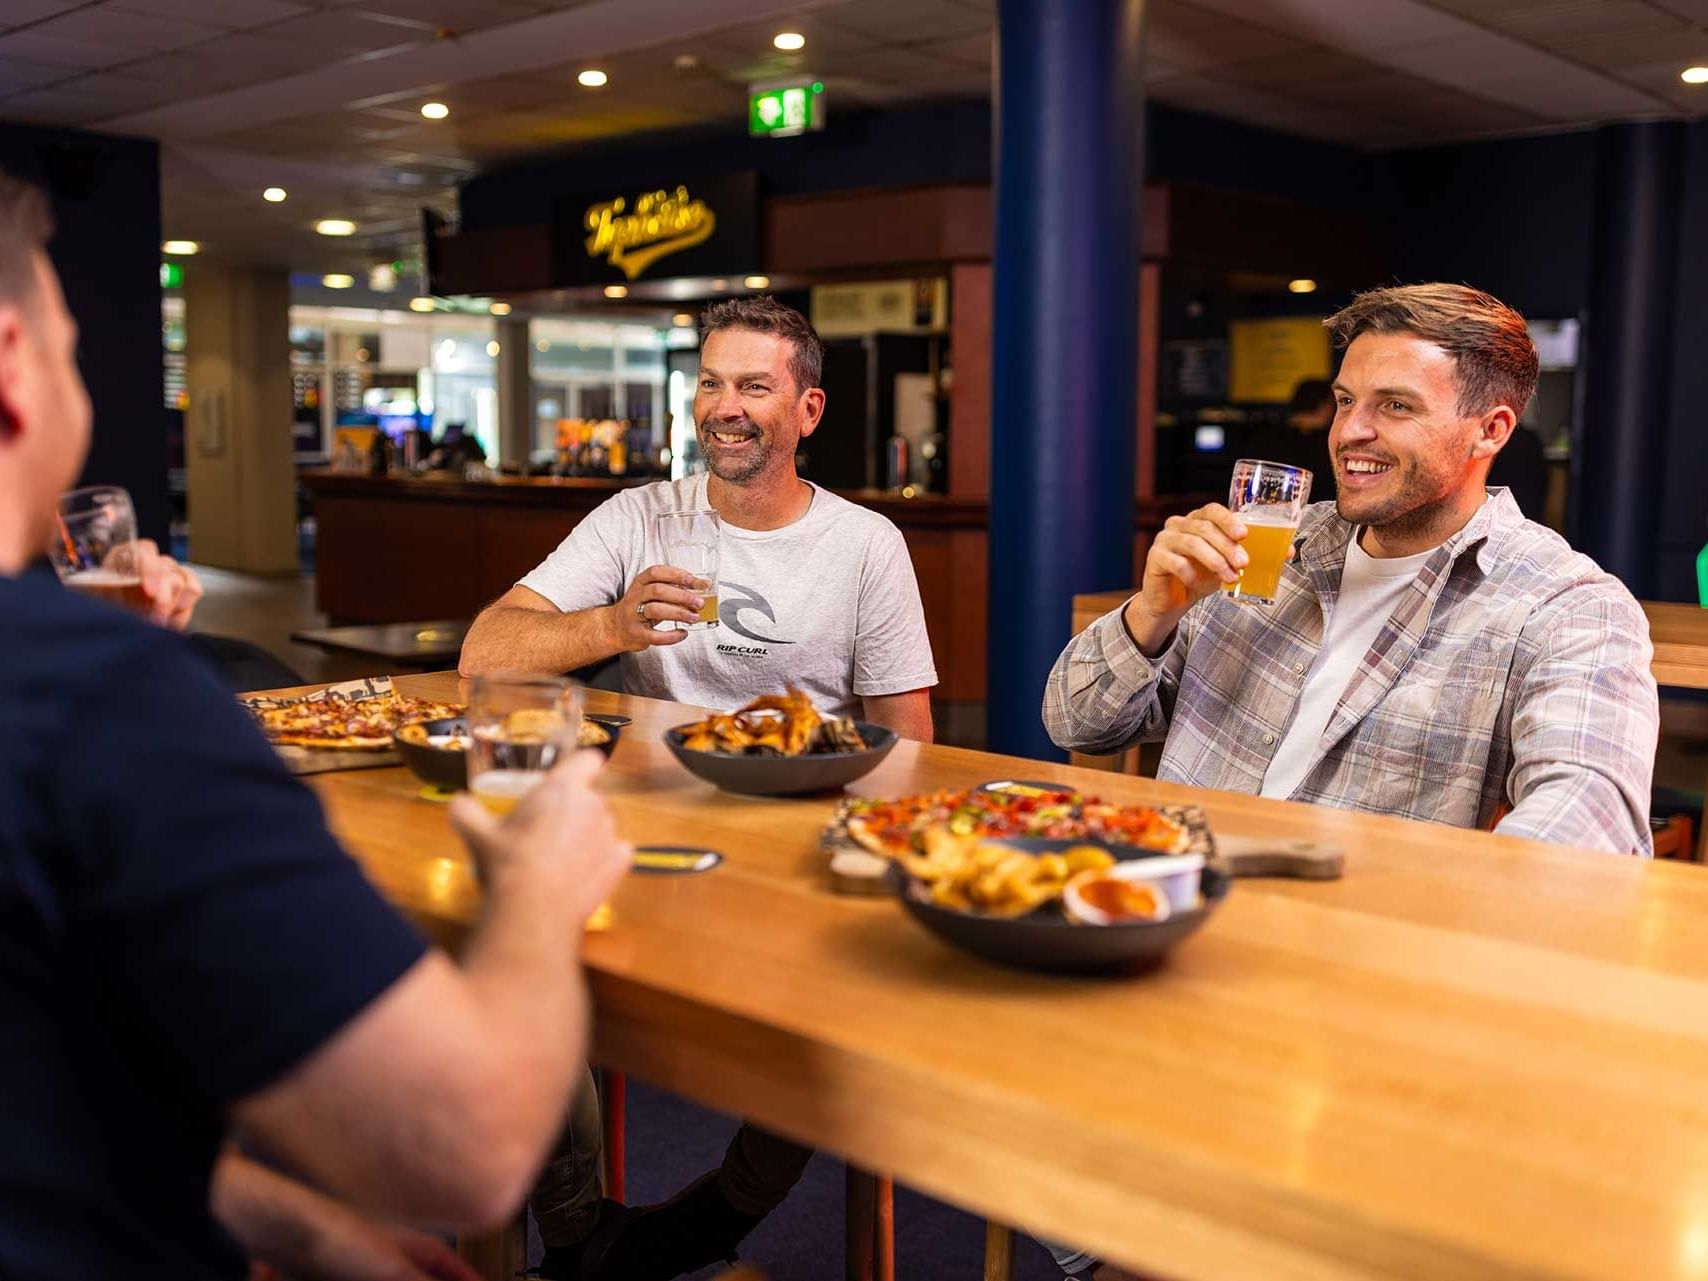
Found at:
(106, 208)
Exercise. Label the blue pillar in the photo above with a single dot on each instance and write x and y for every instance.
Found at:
(1619, 468)
(1065, 351)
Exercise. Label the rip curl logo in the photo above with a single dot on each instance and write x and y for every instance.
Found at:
(733, 598)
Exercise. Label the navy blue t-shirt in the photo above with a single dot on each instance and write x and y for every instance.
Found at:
(177, 930)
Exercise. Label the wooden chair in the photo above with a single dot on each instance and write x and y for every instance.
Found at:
(1674, 838)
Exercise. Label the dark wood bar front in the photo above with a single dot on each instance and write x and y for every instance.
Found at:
(395, 549)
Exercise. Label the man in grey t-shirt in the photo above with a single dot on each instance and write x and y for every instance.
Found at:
(811, 589)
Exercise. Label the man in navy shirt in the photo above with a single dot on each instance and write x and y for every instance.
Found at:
(185, 952)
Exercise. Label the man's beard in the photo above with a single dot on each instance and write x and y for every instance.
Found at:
(743, 466)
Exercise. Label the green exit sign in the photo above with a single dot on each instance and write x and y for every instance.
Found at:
(781, 110)
(171, 275)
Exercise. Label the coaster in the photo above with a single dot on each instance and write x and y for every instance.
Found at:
(675, 860)
(440, 795)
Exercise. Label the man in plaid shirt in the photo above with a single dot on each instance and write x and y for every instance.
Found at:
(1430, 653)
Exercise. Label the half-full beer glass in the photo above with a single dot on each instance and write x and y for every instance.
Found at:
(519, 725)
(1270, 499)
(690, 541)
(94, 546)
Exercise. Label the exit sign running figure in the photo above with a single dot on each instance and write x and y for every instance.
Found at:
(780, 110)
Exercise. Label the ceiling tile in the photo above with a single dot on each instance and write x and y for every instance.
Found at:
(51, 106)
(905, 21)
(1187, 37)
(16, 74)
(975, 51)
(453, 15)
(340, 35)
(18, 13)
(229, 15)
(120, 29)
(33, 46)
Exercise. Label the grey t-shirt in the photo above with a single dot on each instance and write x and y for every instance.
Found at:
(829, 602)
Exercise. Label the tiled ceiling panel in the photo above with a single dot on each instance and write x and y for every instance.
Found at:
(323, 96)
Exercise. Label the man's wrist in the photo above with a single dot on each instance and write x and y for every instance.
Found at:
(1149, 634)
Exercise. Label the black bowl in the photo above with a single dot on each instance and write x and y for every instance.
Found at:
(447, 767)
(1045, 939)
(783, 775)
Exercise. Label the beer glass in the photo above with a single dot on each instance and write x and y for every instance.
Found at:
(94, 546)
(519, 725)
(1270, 499)
(690, 541)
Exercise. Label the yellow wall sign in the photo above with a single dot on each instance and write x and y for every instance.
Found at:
(1271, 357)
(661, 223)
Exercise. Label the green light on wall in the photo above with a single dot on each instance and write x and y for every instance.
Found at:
(171, 275)
(781, 110)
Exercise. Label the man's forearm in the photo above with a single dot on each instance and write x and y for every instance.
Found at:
(507, 638)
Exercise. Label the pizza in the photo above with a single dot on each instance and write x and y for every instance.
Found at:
(344, 724)
(896, 828)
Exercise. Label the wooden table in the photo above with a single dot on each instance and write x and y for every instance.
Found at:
(1474, 1057)
(431, 644)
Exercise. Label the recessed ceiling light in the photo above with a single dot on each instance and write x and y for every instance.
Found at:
(756, 282)
(500, 309)
(1301, 286)
(182, 248)
(337, 280)
(335, 227)
(421, 304)
(542, 345)
(616, 291)
(435, 110)
(274, 195)
(682, 319)
(1694, 75)
(492, 348)
(591, 79)
(789, 41)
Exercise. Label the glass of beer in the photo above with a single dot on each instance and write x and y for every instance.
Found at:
(689, 541)
(1270, 499)
(519, 725)
(94, 546)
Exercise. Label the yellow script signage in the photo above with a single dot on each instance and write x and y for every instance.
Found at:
(661, 223)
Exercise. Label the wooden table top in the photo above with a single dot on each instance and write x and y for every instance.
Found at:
(1679, 634)
(1474, 1057)
(434, 642)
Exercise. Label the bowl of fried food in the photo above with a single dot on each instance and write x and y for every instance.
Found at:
(1067, 906)
(779, 745)
(436, 752)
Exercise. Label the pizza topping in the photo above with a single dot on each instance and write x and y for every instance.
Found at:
(898, 828)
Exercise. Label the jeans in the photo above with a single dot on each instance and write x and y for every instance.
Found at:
(759, 1169)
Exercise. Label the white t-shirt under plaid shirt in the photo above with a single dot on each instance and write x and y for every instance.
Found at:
(1512, 670)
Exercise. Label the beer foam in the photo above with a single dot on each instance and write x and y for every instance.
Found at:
(104, 578)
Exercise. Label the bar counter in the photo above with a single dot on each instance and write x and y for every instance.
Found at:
(393, 549)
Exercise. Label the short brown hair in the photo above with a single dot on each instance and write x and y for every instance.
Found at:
(1490, 343)
(25, 226)
(764, 314)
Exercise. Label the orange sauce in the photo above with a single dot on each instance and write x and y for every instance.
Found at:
(1122, 899)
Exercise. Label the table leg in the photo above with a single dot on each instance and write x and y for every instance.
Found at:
(860, 1211)
(998, 1252)
(884, 1231)
(497, 1256)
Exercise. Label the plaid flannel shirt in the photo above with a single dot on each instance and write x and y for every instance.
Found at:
(1513, 671)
